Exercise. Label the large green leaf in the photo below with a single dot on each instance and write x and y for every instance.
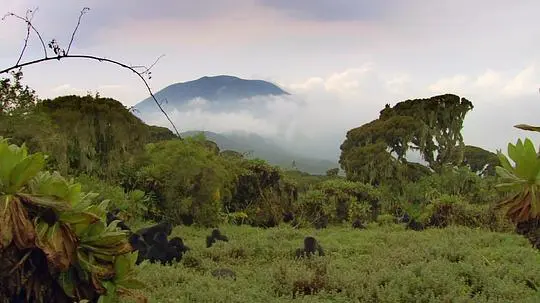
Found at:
(25, 170)
(504, 162)
(10, 156)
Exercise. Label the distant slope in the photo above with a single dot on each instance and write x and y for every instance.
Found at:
(217, 89)
(266, 149)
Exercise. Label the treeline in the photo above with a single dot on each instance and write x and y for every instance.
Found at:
(150, 174)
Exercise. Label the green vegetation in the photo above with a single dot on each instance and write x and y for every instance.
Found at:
(380, 264)
(448, 231)
(54, 243)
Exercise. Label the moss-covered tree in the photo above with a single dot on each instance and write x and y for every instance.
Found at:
(480, 160)
(374, 153)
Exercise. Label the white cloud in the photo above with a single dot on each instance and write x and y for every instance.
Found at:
(452, 84)
(495, 84)
(316, 117)
(489, 79)
(525, 82)
(67, 89)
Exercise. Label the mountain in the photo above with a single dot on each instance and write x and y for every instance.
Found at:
(222, 90)
(265, 149)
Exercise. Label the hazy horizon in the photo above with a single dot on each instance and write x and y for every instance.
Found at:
(341, 61)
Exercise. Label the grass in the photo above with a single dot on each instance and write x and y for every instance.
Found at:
(380, 264)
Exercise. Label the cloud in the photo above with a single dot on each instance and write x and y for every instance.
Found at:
(67, 89)
(498, 85)
(336, 10)
(342, 60)
(315, 118)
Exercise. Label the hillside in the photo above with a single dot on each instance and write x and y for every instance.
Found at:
(222, 90)
(265, 149)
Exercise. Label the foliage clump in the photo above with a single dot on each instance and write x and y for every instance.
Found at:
(54, 243)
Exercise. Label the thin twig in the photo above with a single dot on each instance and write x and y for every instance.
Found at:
(25, 39)
(147, 69)
(100, 59)
(61, 54)
(31, 26)
(83, 11)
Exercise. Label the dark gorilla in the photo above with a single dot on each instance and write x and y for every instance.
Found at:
(180, 249)
(158, 250)
(149, 233)
(401, 216)
(216, 235)
(288, 217)
(139, 245)
(358, 224)
(111, 216)
(415, 225)
(311, 246)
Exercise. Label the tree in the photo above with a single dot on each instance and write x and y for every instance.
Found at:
(15, 96)
(333, 172)
(441, 117)
(375, 152)
(480, 160)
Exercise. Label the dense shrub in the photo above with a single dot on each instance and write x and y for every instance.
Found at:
(190, 180)
(455, 264)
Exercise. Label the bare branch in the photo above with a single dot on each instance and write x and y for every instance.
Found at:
(26, 38)
(147, 69)
(62, 54)
(29, 23)
(100, 59)
(83, 11)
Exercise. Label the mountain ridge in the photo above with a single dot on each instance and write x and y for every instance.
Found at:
(266, 149)
(217, 89)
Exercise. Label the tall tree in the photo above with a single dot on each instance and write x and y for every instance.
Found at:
(375, 151)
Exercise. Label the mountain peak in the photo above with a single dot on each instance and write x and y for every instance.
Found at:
(224, 89)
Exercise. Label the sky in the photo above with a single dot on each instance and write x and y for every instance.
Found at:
(342, 60)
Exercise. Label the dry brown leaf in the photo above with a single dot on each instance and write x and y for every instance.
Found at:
(6, 231)
(24, 234)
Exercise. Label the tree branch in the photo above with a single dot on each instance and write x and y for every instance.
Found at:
(25, 40)
(62, 54)
(29, 23)
(83, 11)
(147, 69)
(100, 59)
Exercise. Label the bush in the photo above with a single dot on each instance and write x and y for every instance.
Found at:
(455, 264)
(134, 204)
(190, 180)
(452, 210)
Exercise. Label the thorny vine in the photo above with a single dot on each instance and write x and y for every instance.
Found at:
(60, 54)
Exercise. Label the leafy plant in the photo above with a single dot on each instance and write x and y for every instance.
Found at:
(54, 243)
(522, 180)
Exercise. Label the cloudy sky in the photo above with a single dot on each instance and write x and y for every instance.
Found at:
(341, 59)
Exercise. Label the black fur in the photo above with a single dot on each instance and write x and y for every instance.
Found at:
(148, 233)
(415, 225)
(311, 247)
(358, 224)
(215, 236)
(179, 248)
(111, 216)
(288, 217)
